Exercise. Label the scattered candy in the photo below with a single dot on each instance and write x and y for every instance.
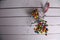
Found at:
(35, 14)
(42, 24)
(41, 28)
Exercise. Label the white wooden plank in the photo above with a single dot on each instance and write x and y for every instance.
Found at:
(14, 30)
(15, 12)
(28, 3)
(54, 3)
(20, 37)
(53, 20)
(26, 30)
(53, 12)
(27, 21)
(26, 12)
(30, 37)
(52, 37)
(20, 3)
(15, 21)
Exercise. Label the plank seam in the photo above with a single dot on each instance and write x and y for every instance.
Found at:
(28, 7)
